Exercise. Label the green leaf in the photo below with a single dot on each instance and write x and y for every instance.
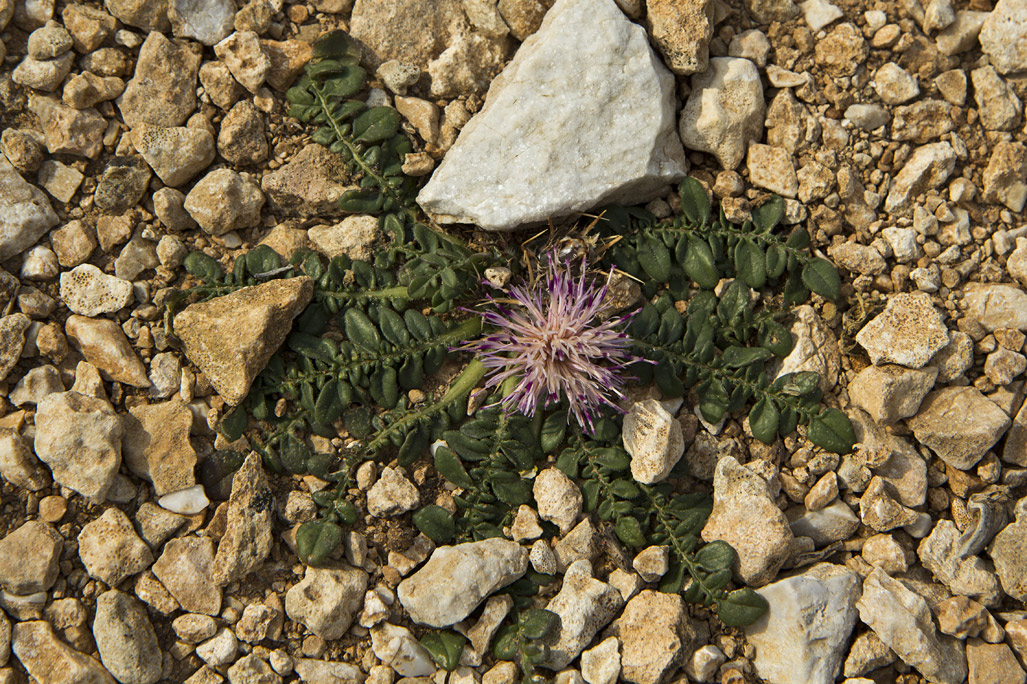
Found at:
(553, 430)
(769, 214)
(776, 338)
(699, 264)
(750, 263)
(316, 540)
(715, 556)
(444, 647)
(375, 125)
(695, 203)
(328, 406)
(739, 357)
(436, 523)
(349, 80)
(820, 276)
(234, 423)
(537, 623)
(360, 330)
(799, 239)
(798, 384)
(392, 326)
(415, 444)
(763, 420)
(202, 266)
(506, 643)
(262, 259)
(741, 607)
(777, 260)
(624, 489)
(831, 430)
(629, 531)
(365, 201)
(335, 44)
(654, 257)
(646, 322)
(450, 467)
(713, 401)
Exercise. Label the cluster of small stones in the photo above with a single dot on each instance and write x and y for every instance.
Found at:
(138, 132)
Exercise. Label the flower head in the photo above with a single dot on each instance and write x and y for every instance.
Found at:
(553, 342)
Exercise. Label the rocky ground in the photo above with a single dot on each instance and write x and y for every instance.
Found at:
(138, 131)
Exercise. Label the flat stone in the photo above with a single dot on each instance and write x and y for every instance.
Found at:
(959, 424)
(156, 525)
(28, 558)
(724, 112)
(79, 437)
(314, 671)
(999, 107)
(25, 212)
(68, 130)
(903, 621)
(653, 439)
(1009, 552)
(1004, 36)
(223, 201)
(656, 635)
(889, 393)
(993, 664)
(308, 185)
(556, 163)
(996, 305)
(247, 539)
(203, 20)
(110, 550)
(176, 154)
(585, 605)
(185, 570)
(456, 579)
(88, 291)
(682, 32)
(601, 664)
(1004, 176)
(156, 445)
(398, 648)
(802, 637)
(125, 639)
(857, 258)
(241, 139)
(940, 552)
(835, 522)
(143, 14)
(926, 169)
(104, 344)
(231, 338)
(746, 517)
(51, 661)
(908, 332)
(327, 599)
(163, 90)
(773, 169)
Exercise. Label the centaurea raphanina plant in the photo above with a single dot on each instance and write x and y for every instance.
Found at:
(551, 338)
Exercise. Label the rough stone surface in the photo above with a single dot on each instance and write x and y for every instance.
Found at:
(204, 20)
(88, 291)
(79, 437)
(889, 393)
(654, 440)
(125, 639)
(231, 338)
(327, 599)
(558, 498)
(959, 424)
(355, 237)
(18, 465)
(456, 579)
(393, 494)
(224, 200)
(176, 154)
(585, 605)
(746, 517)
(25, 212)
(903, 621)
(682, 32)
(308, 185)
(725, 111)
(1008, 550)
(156, 446)
(163, 90)
(656, 635)
(51, 661)
(802, 637)
(928, 167)
(992, 664)
(908, 332)
(1004, 36)
(12, 340)
(243, 55)
(110, 549)
(184, 568)
(564, 149)
(104, 344)
(28, 558)
(964, 575)
(247, 539)
(398, 647)
(772, 168)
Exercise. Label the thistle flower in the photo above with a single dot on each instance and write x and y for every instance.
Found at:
(554, 342)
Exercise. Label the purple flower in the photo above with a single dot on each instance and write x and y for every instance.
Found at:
(553, 342)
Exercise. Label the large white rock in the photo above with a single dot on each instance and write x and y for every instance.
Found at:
(458, 578)
(801, 639)
(583, 115)
(1004, 36)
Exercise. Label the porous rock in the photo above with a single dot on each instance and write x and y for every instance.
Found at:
(585, 605)
(156, 445)
(184, 568)
(327, 599)
(656, 635)
(104, 344)
(110, 549)
(724, 112)
(908, 332)
(88, 291)
(654, 440)
(176, 154)
(28, 558)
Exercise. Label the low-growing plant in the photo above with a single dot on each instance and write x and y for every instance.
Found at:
(374, 332)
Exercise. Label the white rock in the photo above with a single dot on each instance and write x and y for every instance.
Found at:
(867, 116)
(328, 672)
(398, 648)
(773, 169)
(223, 201)
(815, 348)
(725, 111)
(601, 664)
(327, 600)
(903, 621)
(894, 85)
(456, 579)
(208, 21)
(654, 440)
(175, 154)
(25, 212)
(927, 168)
(558, 498)
(903, 243)
(355, 237)
(38, 383)
(819, 13)
(88, 291)
(1004, 36)
(585, 605)
(802, 638)
(889, 393)
(941, 553)
(125, 639)
(704, 663)
(392, 495)
(189, 501)
(652, 562)
(18, 465)
(908, 332)
(576, 123)
(40, 263)
(832, 523)
(242, 54)
(542, 558)
(49, 660)
(220, 650)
